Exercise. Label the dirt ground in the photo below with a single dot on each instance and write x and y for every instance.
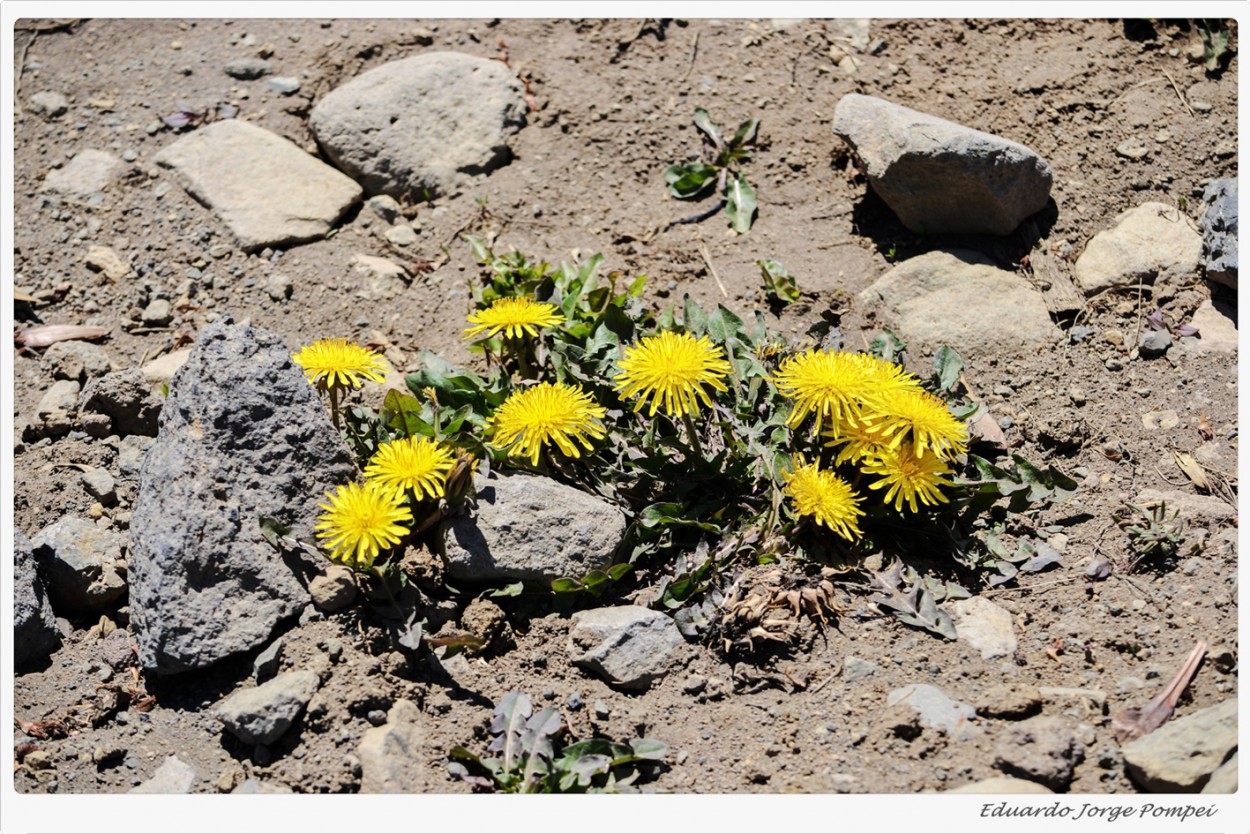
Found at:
(612, 106)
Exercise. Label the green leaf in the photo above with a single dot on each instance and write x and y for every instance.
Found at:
(481, 252)
(513, 590)
(694, 319)
(508, 723)
(778, 282)
(648, 748)
(740, 205)
(690, 181)
(723, 325)
(948, 364)
(567, 585)
(619, 569)
(704, 122)
(667, 319)
(401, 413)
(888, 345)
(745, 134)
(273, 530)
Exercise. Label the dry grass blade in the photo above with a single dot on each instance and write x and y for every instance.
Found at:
(1132, 723)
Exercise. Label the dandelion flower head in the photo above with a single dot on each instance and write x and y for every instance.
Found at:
(412, 463)
(543, 414)
(338, 363)
(672, 368)
(824, 496)
(829, 384)
(361, 521)
(907, 476)
(861, 439)
(926, 420)
(513, 317)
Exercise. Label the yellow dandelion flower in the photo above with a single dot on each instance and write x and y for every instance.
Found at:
(885, 377)
(337, 363)
(831, 385)
(544, 414)
(360, 521)
(906, 476)
(861, 439)
(825, 497)
(513, 317)
(412, 463)
(672, 368)
(924, 419)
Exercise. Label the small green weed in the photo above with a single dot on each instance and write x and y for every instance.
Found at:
(532, 754)
(718, 172)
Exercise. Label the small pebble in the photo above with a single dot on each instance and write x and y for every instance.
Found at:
(376, 717)
(601, 711)
(575, 701)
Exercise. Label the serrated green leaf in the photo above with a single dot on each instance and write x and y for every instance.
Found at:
(694, 318)
(740, 203)
(724, 325)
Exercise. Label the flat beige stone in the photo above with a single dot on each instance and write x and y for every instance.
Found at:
(266, 189)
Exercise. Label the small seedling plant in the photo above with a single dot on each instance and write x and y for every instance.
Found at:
(719, 171)
(531, 752)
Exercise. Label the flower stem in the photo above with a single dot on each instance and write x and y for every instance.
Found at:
(693, 435)
(524, 367)
(334, 407)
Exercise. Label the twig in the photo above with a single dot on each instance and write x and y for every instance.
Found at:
(694, 53)
(1033, 587)
(1159, 472)
(1179, 94)
(707, 259)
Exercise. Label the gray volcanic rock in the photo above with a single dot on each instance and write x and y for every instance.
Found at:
(530, 527)
(81, 563)
(940, 176)
(126, 398)
(627, 645)
(34, 625)
(1219, 232)
(429, 123)
(242, 436)
(261, 714)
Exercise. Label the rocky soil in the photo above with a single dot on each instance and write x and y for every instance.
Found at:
(176, 180)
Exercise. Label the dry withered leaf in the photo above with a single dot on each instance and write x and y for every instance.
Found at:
(1132, 723)
(47, 334)
(1193, 471)
(45, 728)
